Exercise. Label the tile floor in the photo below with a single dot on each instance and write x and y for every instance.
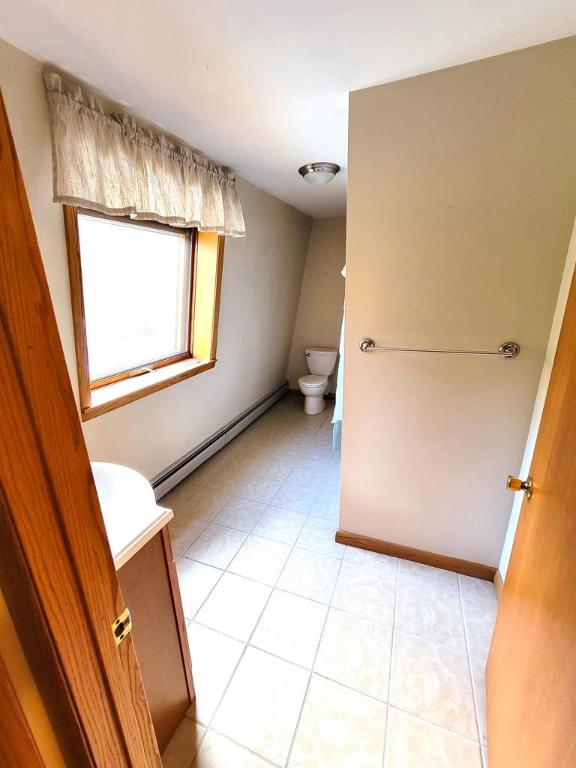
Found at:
(306, 653)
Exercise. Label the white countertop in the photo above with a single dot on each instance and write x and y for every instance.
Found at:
(131, 515)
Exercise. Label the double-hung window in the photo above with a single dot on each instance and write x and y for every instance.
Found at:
(136, 279)
(137, 287)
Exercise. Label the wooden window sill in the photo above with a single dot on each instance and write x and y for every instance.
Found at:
(120, 393)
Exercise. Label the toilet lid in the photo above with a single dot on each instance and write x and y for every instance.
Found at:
(313, 381)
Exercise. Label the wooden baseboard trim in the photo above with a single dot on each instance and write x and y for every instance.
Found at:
(465, 567)
(498, 584)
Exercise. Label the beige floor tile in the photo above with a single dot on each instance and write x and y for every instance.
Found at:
(432, 611)
(216, 545)
(339, 728)
(175, 498)
(290, 627)
(274, 466)
(297, 496)
(206, 502)
(384, 564)
(309, 574)
(260, 559)
(480, 608)
(413, 743)
(261, 706)
(479, 683)
(478, 592)
(214, 659)
(204, 474)
(327, 509)
(313, 497)
(317, 535)
(234, 606)
(432, 681)
(356, 652)
(241, 514)
(479, 622)
(286, 458)
(183, 745)
(219, 752)
(184, 533)
(262, 488)
(196, 581)
(426, 575)
(364, 591)
(280, 524)
(310, 477)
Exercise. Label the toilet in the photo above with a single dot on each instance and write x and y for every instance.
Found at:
(321, 363)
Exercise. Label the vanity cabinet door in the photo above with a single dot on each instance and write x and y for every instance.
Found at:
(150, 588)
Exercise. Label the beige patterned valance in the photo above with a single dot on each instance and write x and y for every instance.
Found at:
(110, 162)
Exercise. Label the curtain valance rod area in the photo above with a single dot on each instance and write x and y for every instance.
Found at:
(111, 162)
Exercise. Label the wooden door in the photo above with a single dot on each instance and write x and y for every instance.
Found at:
(56, 570)
(532, 664)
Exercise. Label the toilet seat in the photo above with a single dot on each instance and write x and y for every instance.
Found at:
(313, 381)
(313, 388)
(321, 362)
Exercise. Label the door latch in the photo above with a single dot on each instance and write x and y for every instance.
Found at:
(122, 626)
(515, 484)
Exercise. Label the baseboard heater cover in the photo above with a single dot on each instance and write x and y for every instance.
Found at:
(172, 475)
(465, 567)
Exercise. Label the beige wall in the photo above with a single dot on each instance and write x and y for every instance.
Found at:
(322, 294)
(461, 200)
(260, 291)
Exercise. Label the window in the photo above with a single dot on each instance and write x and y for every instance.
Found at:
(145, 300)
(136, 282)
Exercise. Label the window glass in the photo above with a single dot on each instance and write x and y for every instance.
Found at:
(136, 282)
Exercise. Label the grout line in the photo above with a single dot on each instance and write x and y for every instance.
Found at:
(392, 644)
(307, 516)
(320, 638)
(246, 643)
(469, 660)
(435, 725)
(353, 690)
(212, 588)
(193, 763)
(242, 746)
(359, 616)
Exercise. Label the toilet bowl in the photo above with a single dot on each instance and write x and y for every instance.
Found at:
(313, 388)
(321, 363)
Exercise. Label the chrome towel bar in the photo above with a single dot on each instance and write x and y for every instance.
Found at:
(507, 350)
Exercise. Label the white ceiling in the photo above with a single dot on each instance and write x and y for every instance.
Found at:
(262, 85)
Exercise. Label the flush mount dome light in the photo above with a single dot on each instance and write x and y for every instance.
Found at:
(318, 173)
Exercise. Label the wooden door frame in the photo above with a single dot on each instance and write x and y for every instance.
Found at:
(17, 743)
(56, 569)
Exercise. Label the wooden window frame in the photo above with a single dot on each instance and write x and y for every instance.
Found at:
(106, 394)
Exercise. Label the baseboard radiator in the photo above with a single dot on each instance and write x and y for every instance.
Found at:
(166, 480)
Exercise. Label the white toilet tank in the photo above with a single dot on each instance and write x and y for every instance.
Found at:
(321, 360)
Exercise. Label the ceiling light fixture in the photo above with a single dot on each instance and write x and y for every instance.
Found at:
(318, 173)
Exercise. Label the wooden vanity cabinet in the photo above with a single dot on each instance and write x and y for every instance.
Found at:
(150, 588)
